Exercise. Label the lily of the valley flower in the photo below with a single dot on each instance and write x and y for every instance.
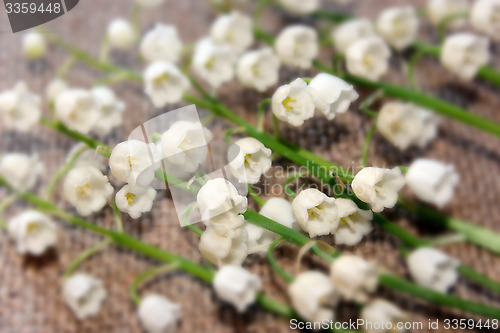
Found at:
(297, 46)
(378, 187)
(54, 88)
(234, 30)
(294, 102)
(433, 269)
(258, 69)
(185, 143)
(111, 115)
(134, 162)
(316, 213)
(237, 286)
(121, 34)
(34, 45)
(398, 26)
(135, 201)
(164, 83)
(405, 124)
(219, 196)
(77, 109)
(432, 181)
(354, 223)
(230, 248)
(213, 63)
(84, 295)
(438, 10)
(278, 210)
(354, 277)
(249, 160)
(161, 43)
(464, 53)
(19, 108)
(87, 189)
(312, 295)
(20, 171)
(384, 317)
(368, 58)
(158, 314)
(332, 94)
(299, 7)
(33, 232)
(351, 31)
(484, 17)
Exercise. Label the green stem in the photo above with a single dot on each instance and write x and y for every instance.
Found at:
(255, 196)
(84, 256)
(62, 171)
(442, 25)
(479, 278)
(118, 217)
(366, 147)
(4, 205)
(331, 16)
(397, 283)
(261, 112)
(288, 182)
(134, 295)
(274, 264)
(276, 128)
(412, 80)
(65, 67)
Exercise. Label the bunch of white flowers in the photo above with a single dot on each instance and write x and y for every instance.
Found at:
(295, 103)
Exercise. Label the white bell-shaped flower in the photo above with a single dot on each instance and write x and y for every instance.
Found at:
(86, 157)
(405, 124)
(438, 10)
(33, 232)
(299, 7)
(164, 83)
(297, 46)
(464, 54)
(134, 162)
(19, 108)
(213, 63)
(398, 26)
(121, 34)
(484, 18)
(78, 109)
(84, 295)
(34, 45)
(381, 316)
(162, 43)
(432, 181)
(294, 102)
(354, 224)
(258, 69)
(135, 201)
(378, 187)
(368, 58)
(87, 189)
(158, 314)
(111, 115)
(433, 269)
(219, 196)
(249, 160)
(347, 33)
(185, 144)
(237, 286)
(313, 295)
(234, 30)
(354, 277)
(224, 249)
(316, 213)
(332, 94)
(20, 171)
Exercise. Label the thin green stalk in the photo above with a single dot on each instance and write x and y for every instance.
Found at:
(443, 24)
(274, 264)
(65, 67)
(412, 80)
(84, 256)
(62, 171)
(366, 146)
(118, 217)
(479, 278)
(4, 205)
(231, 131)
(255, 196)
(261, 112)
(288, 182)
(148, 274)
(276, 128)
(331, 16)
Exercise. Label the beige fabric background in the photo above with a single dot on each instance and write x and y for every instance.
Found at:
(30, 297)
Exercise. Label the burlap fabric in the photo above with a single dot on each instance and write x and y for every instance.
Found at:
(30, 288)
